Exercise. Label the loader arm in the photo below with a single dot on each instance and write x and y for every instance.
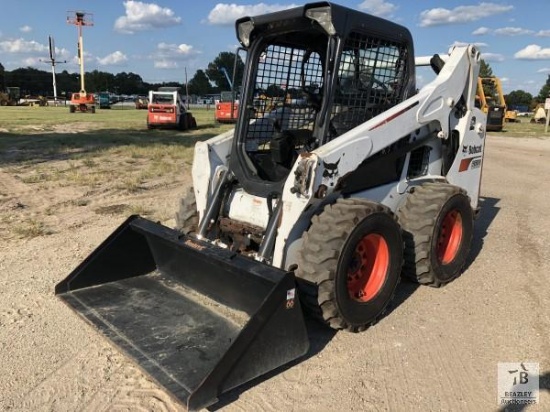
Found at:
(443, 109)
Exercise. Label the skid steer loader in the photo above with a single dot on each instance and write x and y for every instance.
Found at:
(318, 204)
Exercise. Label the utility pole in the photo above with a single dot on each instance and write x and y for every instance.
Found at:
(53, 62)
(186, 89)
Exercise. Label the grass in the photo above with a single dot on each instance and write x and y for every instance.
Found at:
(523, 129)
(78, 157)
(104, 163)
(33, 139)
(31, 228)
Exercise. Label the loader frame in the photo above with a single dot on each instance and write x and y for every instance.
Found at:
(388, 145)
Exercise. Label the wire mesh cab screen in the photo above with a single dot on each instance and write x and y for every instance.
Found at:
(371, 79)
(279, 101)
(289, 87)
(286, 99)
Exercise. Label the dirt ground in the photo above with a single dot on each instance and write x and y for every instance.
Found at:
(437, 349)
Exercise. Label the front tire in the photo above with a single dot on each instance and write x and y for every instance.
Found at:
(350, 264)
(187, 217)
(437, 222)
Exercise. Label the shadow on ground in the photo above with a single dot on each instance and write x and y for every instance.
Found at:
(320, 335)
(43, 147)
(488, 212)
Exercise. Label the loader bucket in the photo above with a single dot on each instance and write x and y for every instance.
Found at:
(197, 318)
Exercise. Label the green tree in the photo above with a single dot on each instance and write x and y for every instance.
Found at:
(489, 87)
(225, 60)
(485, 69)
(31, 81)
(518, 98)
(2, 82)
(97, 81)
(128, 83)
(199, 84)
(544, 91)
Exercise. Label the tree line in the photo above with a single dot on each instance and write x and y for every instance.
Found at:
(37, 82)
(211, 80)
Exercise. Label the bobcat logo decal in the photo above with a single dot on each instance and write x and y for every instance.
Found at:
(331, 169)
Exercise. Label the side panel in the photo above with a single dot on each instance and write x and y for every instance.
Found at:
(466, 169)
(209, 156)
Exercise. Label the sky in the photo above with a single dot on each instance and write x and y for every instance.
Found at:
(165, 40)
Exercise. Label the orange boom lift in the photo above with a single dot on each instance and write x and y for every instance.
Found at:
(81, 101)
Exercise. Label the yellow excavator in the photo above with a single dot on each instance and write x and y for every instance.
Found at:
(490, 99)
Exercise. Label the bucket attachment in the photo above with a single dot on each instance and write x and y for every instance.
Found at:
(197, 318)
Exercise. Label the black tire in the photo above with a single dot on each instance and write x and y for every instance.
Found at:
(192, 122)
(339, 281)
(72, 109)
(437, 222)
(182, 124)
(93, 109)
(187, 217)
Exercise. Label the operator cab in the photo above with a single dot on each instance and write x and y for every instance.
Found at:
(312, 74)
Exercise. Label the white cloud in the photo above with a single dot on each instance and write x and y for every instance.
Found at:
(62, 53)
(461, 14)
(504, 79)
(88, 58)
(114, 59)
(165, 64)
(379, 8)
(145, 16)
(22, 46)
(512, 31)
(543, 33)
(168, 56)
(533, 52)
(492, 57)
(25, 29)
(481, 31)
(461, 43)
(175, 49)
(224, 14)
(544, 70)
(31, 61)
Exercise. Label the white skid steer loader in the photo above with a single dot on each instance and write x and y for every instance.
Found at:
(319, 202)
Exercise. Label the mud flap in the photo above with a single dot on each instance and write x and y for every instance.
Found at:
(199, 319)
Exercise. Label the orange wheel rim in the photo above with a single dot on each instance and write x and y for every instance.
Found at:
(369, 267)
(450, 237)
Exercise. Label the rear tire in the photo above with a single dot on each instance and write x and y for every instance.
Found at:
(187, 217)
(437, 222)
(350, 264)
(192, 122)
